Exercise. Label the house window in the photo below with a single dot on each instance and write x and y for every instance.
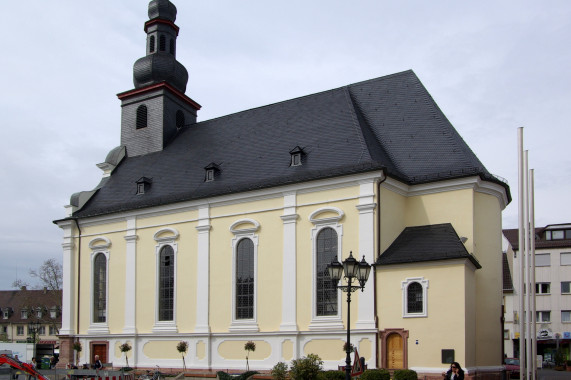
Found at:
(52, 330)
(245, 279)
(20, 330)
(53, 313)
(152, 44)
(565, 287)
(506, 334)
(141, 117)
(166, 284)
(296, 159)
(39, 313)
(209, 175)
(100, 288)
(42, 330)
(543, 260)
(327, 251)
(24, 314)
(5, 313)
(543, 316)
(565, 258)
(414, 293)
(543, 288)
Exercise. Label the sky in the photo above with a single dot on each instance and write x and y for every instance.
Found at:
(492, 67)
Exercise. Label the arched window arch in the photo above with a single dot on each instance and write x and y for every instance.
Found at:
(414, 293)
(244, 302)
(326, 303)
(141, 117)
(152, 44)
(162, 43)
(179, 119)
(100, 288)
(166, 283)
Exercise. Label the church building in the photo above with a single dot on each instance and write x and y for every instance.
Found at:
(220, 232)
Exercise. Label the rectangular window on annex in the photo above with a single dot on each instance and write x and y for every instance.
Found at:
(565, 287)
(543, 260)
(565, 258)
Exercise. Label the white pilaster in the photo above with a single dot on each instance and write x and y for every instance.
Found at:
(366, 207)
(203, 270)
(130, 326)
(289, 279)
(69, 280)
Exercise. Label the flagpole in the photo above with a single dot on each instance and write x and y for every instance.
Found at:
(521, 250)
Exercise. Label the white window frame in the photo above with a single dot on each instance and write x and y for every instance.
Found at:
(19, 330)
(540, 314)
(163, 237)
(404, 287)
(569, 319)
(249, 231)
(566, 255)
(568, 282)
(24, 314)
(99, 244)
(325, 322)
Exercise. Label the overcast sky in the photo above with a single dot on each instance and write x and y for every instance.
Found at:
(492, 66)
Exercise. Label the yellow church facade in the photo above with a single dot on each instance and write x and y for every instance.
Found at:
(219, 232)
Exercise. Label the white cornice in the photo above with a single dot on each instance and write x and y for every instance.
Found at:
(475, 183)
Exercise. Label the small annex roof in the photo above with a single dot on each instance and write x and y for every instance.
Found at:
(426, 243)
(389, 123)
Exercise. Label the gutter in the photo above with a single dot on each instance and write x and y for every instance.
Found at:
(374, 269)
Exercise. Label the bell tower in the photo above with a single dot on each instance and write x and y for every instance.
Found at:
(157, 108)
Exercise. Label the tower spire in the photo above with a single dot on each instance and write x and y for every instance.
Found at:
(160, 64)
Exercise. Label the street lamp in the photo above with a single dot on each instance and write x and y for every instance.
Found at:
(33, 329)
(353, 270)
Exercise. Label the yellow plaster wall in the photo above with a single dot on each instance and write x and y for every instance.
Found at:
(328, 349)
(445, 324)
(234, 350)
(161, 349)
(393, 207)
(488, 250)
(200, 350)
(287, 350)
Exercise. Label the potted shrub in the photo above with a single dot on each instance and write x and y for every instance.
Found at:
(249, 347)
(77, 348)
(125, 348)
(182, 347)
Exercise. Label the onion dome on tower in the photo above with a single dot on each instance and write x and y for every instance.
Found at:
(160, 64)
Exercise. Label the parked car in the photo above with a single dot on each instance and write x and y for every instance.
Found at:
(512, 367)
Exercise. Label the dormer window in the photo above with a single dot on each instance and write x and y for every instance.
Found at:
(296, 156)
(39, 312)
(53, 312)
(24, 314)
(6, 313)
(211, 171)
(143, 185)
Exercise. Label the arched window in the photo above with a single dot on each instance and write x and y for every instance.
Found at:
(162, 43)
(100, 288)
(245, 279)
(326, 297)
(414, 298)
(166, 283)
(152, 44)
(142, 117)
(179, 119)
(172, 46)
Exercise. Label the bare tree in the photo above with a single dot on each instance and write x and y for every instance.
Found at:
(50, 274)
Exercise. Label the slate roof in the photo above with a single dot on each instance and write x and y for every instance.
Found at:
(426, 243)
(389, 123)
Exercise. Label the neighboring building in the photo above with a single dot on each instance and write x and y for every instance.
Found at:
(220, 232)
(28, 315)
(552, 286)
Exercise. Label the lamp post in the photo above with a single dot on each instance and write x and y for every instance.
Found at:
(33, 329)
(352, 270)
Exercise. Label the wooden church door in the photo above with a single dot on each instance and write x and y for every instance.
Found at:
(395, 352)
